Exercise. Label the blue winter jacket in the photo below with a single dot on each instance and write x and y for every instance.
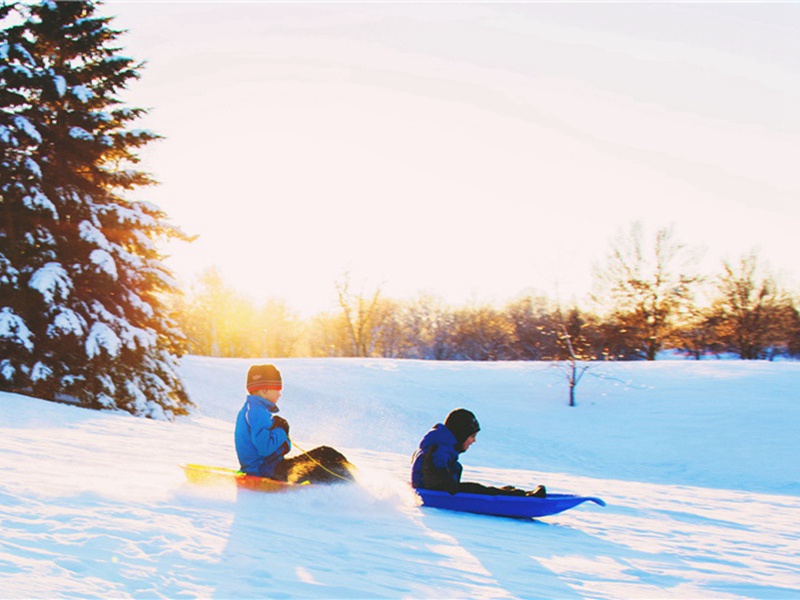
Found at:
(259, 447)
(435, 463)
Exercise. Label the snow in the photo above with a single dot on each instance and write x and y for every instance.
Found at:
(79, 133)
(89, 233)
(51, 281)
(102, 337)
(41, 372)
(14, 329)
(38, 201)
(135, 301)
(132, 213)
(82, 93)
(104, 262)
(696, 460)
(35, 170)
(25, 125)
(8, 274)
(66, 322)
(61, 85)
(7, 370)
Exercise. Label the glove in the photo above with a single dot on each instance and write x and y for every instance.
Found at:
(284, 449)
(280, 423)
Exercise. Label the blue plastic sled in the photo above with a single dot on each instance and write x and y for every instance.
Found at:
(503, 506)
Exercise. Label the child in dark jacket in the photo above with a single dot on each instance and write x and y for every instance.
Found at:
(435, 464)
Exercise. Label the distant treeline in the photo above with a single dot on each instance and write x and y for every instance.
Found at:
(647, 300)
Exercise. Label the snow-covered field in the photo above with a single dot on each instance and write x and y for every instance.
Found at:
(697, 461)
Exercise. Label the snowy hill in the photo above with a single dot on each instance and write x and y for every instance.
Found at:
(696, 461)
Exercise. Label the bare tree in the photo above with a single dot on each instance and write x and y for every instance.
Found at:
(573, 367)
(362, 317)
(482, 333)
(574, 353)
(391, 340)
(647, 286)
(219, 321)
(698, 334)
(534, 333)
(429, 329)
(281, 329)
(752, 311)
(211, 315)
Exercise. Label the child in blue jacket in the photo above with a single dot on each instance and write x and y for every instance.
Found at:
(435, 464)
(261, 436)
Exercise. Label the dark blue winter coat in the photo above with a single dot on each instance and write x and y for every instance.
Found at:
(259, 447)
(435, 464)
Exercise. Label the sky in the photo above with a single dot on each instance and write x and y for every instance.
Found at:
(472, 151)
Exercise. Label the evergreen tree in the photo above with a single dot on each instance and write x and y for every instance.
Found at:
(82, 284)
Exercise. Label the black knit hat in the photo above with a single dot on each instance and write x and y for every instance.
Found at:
(263, 377)
(462, 424)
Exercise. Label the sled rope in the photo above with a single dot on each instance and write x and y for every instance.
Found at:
(315, 461)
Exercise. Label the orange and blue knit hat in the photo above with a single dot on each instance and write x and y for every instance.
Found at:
(263, 377)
